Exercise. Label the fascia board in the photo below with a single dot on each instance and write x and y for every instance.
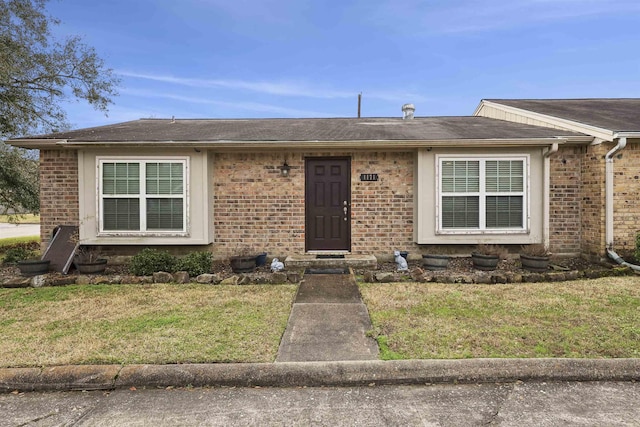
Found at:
(324, 145)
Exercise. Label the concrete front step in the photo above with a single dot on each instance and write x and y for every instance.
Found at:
(314, 261)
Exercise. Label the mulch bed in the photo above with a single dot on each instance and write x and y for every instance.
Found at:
(459, 270)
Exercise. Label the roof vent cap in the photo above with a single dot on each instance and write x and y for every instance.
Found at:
(407, 111)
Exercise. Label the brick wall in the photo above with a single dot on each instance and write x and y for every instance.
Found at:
(565, 201)
(593, 200)
(255, 205)
(58, 191)
(626, 208)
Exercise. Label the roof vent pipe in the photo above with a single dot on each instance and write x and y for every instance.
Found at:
(407, 111)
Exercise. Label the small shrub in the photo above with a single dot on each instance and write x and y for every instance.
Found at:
(537, 250)
(19, 253)
(149, 261)
(493, 250)
(195, 263)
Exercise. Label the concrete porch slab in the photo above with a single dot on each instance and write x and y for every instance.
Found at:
(312, 261)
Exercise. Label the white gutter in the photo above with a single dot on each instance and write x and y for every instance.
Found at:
(546, 197)
(622, 143)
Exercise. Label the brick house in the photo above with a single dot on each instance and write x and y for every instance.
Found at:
(559, 172)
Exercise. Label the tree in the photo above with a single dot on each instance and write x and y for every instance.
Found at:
(19, 190)
(37, 73)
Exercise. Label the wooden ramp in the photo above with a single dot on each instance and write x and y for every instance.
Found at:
(62, 247)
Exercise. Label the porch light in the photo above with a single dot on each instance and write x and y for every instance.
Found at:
(284, 169)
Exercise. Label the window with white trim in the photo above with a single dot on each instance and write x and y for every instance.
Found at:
(143, 196)
(482, 194)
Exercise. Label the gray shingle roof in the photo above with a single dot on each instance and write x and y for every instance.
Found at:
(335, 129)
(615, 114)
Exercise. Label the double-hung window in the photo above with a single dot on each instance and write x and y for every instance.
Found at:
(143, 196)
(482, 194)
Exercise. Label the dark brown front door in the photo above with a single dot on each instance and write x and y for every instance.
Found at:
(328, 204)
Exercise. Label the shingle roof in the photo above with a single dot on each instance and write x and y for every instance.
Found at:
(334, 129)
(615, 114)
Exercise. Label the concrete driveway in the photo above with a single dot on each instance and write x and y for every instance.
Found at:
(19, 230)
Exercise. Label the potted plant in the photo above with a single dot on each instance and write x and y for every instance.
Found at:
(486, 257)
(435, 262)
(27, 261)
(88, 260)
(243, 260)
(534, 257)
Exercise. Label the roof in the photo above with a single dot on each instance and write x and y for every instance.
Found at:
(217, 131)
(614, 114)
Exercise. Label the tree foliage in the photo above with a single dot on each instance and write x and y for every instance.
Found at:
(19, 189)
(37, 71)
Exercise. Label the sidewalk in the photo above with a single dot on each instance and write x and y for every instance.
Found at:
(328, 322)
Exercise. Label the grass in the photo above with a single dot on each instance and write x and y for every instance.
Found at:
(21, 219)
(127, 324)
(13, 241)
(584, 319)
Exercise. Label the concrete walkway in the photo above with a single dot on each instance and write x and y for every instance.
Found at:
(328, 322)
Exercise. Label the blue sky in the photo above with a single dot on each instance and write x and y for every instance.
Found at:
(300, 58)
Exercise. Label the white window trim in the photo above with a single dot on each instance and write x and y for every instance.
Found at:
(100, 160)
(526, 220)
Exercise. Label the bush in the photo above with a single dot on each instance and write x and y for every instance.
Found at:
(195, 263)
(149, 261)
(18, 253)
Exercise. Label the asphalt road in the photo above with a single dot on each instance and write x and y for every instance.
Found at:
(20, 230)
(512, 404)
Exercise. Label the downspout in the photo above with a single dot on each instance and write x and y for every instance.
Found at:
(622, 142)
(546, 197)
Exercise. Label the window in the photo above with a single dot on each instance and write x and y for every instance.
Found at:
(486, 195)
(143, 196)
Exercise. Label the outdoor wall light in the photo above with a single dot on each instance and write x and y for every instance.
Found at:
(284, 169)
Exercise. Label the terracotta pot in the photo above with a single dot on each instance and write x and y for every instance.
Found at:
(485, 262)
(534, 263)
(435, 262)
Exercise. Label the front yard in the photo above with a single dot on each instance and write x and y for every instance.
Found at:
(171, 323)
(586, 318)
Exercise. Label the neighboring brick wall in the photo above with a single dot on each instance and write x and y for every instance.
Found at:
(58, 191)
(565, 201)
(253, 204)
(626, 208)
(593, 200)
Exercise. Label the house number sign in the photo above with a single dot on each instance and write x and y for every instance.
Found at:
(369, 177)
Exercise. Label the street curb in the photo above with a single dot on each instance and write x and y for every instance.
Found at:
(315, 374)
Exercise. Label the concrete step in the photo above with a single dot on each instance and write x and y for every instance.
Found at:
(319, 261)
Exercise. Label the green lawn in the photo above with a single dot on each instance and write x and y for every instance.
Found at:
(587, 319)
(103, 324)
(21, 219)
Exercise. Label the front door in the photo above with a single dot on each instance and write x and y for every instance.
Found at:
(328, 204)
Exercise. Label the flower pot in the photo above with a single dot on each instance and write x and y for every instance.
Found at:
(33, 267)
(93, 267)
(435, 262)
(485, 262)
(261, 259)
(534, 263)
(243, 264)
